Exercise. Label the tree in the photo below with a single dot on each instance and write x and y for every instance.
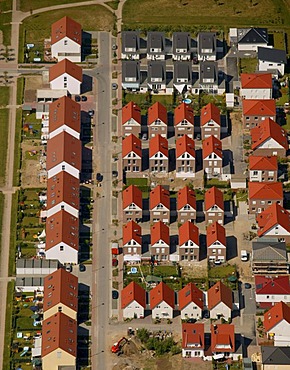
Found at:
(143, 335)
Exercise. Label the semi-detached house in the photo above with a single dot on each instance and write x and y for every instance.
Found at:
(162, 302)
(220, 301)
(160, 242)
(132, 204)
(263, 169)
(131, 119)
(132, 242)
(185, 157)
(66, 75)
(190, 301)
(255, 111)
(186, 205)
(256, 86)
(133, 301)
(159, 205)
(132, 154)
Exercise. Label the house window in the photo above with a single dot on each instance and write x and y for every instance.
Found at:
(61, 248)
(65, 42)
(65, 85)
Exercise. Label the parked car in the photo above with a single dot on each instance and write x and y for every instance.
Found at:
(82, 267)
(144, 137)
(115, 294)
(247, 286)
(91, 112)
(114, 262)
(84, 98)
(206, 315)
(99, 177)
(115, 173)
(77, 98)
(68, 267)
(114, 86)
(114, 47)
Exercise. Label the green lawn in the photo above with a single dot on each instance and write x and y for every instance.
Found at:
(113, 4)
(4, 96)
(28, 5)
(137, 182)
(8, 326)
(217, 183)
(5, 19)
(20, 90)
(17, 150)
(13, 234)
(248, 65)
(38, 27)
(221, 271)
(1, 215)
(287, 126)
(4, 116)
(284, 98)
(279, 40)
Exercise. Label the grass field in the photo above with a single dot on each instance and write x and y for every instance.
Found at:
(28, 5)
(113, 4)
(4, 115)
(5, 19)
(248, 65)
(38, 27)
(13, 234)
(181, 14)
(1, 215)
(4, 96)
(17, 150)
(8, 326)
(20, 90)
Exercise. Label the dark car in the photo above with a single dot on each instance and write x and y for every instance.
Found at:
(82, 267)
(114, 47)
(91, 112)
(114, 86)
(115, 294)
(206, 315)
(248, 286)
(84, 98)
(115, 173)
(99, 177)
(77, 98)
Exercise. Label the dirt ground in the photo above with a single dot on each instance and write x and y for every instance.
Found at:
(31, 167)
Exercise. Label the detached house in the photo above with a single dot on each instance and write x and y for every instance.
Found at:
(159, 205)
(66, 40)
(269, 138)
(210, 121)
(214, 206)
(157, 120)
(62, 237)
(216, 242)
(272, 60)
(64, 153)
(133, 301)
(188, 242)
(60, 294)
(181, 46)
(132, 154)
(132, 242)
(222, 340)
(66, 75)
(262, 195)
(184, 121)
(190, 300)
(63, 194)
(263, 169)
(193, 341)
(212, 155)
(186, 205)
(160, 242)
(277, 324)
(131, 119)
(271, 290)
(130, 45)
(275, 358)
(64, 115)
(132, 204)
(256, 111)
(208, 77)
(256, 86)
(274, 222)
(158, 154)
(155, 45)
(249, 39)
(206, 46)
(59, 342)
(156, 77)
(131, 75)
(220, 301)
(182, 76)
(162, 302)
(185, 157)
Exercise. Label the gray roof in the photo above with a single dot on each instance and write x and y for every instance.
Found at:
(130, 68)
(156, 69)
(206, 40)
(208, 70)
(130, 39)
(34, 263)
(275, 355)
(252, 35)
(29, 281)
(156, 40)
(181, 40)
(272, 55)
(182, 70)
(266, 250)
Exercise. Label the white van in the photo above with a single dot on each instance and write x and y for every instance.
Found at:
(244, 255)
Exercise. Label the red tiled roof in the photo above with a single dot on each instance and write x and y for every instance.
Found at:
(272, 285)
(222, 338)
(65, 66)
(213, 196)
(62, 227)
(193, 334)
(60, 287)
(158, 144)
(186, 196)
(66, 27)
(63, 187)
(131, 110)
(183, 112)
(185, 144)
(161, 293)
(157, 111)
(266, 190)
(132, 231)
(190, 293)
(131, 144)
(255, 107)
(258, 163)
(159, 195)
(219, 293)
(256, 80)
(133, 292)
(132, 194)
(272, 216)
(65, 111)
(59, 332)
(275, 315)
(215, 232)
(188, 231)
(64, 148)
(210, 112)
(159, 231)
(269, 129)
(212, 145)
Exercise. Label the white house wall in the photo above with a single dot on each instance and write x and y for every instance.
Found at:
(68, 168)
(68, 255)
(163, 310)
(132, 310)
(70, 49)
(272, 298)
(65, 128)
(220, 309)
(72, 85)
(191, 311)
(192, 352)
(265, 66)
(68, 208)
(256, 93)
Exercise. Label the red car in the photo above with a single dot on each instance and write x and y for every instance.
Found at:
(114, 262)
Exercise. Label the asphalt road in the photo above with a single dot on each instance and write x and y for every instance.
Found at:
(101, 276)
